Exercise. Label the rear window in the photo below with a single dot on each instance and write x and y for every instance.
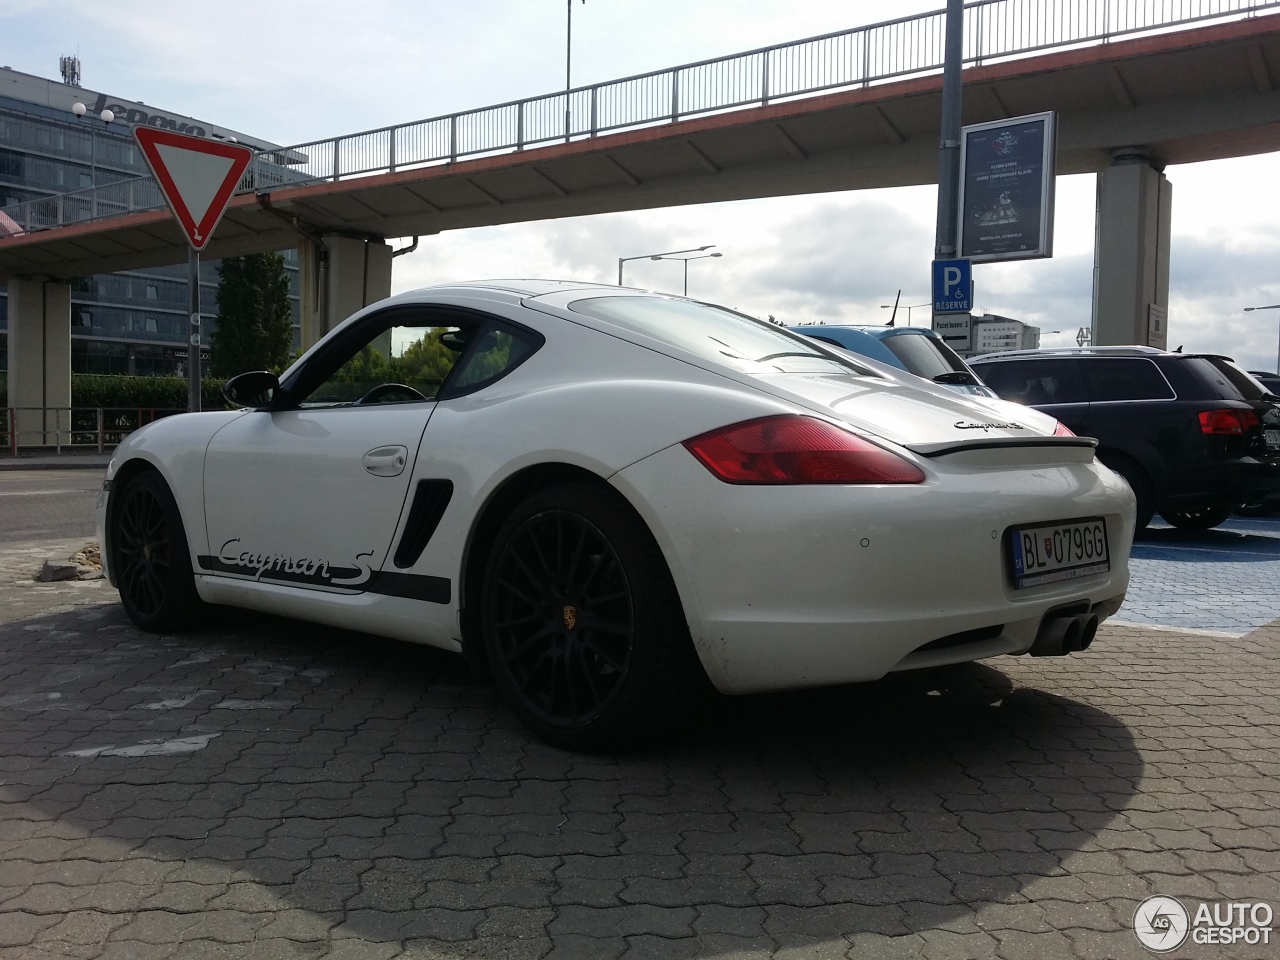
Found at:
(1228, 380)
(718, 335)
(1124, 378)
(1034, 382)
(924, 356)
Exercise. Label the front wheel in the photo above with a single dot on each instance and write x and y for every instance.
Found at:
(150, 558)
(1206, 518)
(583, 629)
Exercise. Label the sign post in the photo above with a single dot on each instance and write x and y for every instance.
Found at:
(197, 177)
(952, 281)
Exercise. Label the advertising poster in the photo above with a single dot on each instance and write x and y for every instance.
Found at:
(1006, 189)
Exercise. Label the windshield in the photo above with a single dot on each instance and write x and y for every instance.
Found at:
(718, 335)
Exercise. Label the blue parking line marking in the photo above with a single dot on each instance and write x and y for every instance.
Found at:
(1220, 581)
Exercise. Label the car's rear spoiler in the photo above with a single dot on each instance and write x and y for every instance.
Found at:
(1001, 443)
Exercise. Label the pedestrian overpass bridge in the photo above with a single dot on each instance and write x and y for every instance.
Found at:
(1137, 85)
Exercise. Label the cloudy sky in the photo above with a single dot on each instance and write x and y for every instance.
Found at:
(290, 71)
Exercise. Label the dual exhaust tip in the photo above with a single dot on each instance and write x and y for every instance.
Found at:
(1064, 633)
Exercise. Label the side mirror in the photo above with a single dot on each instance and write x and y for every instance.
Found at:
(258, 388)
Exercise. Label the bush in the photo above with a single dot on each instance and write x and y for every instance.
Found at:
(115, 390)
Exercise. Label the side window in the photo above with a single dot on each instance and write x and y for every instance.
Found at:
(1034, 382)
(1124, 378)
(401, 363)
(498, 350)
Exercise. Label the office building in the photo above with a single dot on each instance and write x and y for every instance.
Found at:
(131, 322)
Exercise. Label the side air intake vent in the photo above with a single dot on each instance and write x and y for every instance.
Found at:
(429, 503)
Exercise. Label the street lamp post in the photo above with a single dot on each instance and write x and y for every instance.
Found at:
(568, 60)
(685, 261)
(908, 308)
(659, 256)
(1270, 306)
(106, 116)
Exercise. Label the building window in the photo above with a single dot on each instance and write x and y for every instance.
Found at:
(151, 291)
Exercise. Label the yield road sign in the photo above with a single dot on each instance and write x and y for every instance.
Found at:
(952, 286)
(196, 176)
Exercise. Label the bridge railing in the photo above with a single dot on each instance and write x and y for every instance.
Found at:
(72, 428)
(877, 53)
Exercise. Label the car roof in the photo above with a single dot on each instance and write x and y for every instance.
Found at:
(1134, 350)
(523, 287)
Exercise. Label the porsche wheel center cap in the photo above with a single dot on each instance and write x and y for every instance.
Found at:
(570, 616)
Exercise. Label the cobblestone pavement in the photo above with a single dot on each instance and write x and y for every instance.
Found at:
(266, 788)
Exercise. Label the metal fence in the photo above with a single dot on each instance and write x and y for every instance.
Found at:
(994, 29)
(73, 428)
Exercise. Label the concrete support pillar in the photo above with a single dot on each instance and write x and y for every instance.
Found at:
(40, 360)
(1131, 252)
(338, 276)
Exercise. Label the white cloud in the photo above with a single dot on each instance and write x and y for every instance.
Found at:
(290, 71)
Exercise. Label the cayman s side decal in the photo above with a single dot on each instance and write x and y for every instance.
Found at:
(278, 567)
(306, 571)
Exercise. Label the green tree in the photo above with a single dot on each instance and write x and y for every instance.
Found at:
(255, 321)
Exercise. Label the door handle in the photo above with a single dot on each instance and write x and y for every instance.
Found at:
(385, 461)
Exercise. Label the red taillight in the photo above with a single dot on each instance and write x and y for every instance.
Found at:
(1228, 422)
(794, 449)
(1062, 430)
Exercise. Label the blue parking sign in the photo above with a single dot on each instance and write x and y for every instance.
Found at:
(952, 286)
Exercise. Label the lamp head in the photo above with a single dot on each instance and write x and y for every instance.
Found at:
(107, 115)
(79, 109)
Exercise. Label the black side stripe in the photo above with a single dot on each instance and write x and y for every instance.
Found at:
(411, 586)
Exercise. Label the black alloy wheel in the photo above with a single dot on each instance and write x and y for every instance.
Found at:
(582, 626)
(1205, 518)
(150, 559)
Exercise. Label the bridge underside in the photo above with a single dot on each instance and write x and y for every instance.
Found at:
(1184, 96)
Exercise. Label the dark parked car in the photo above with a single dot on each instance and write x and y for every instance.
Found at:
(1269, 380)
(917, 350)
(1193, 434)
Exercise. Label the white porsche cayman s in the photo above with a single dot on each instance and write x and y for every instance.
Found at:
(605, 498)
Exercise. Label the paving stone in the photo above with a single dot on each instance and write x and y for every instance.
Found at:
(380, 806)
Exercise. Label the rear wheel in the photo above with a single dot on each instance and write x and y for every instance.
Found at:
(1206, 518)
(1137, 480)
(150, 558)
(583, 629)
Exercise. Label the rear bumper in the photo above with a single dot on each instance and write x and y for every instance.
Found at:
(1231, 482)
(800, 586)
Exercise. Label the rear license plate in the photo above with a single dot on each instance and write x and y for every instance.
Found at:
(1273, 437)
(1050, 552)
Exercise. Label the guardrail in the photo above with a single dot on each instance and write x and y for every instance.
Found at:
(876, 53)
(74, 427)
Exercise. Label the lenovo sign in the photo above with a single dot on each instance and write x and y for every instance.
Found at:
(140, 118)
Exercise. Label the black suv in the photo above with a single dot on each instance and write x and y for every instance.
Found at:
(1193, 434)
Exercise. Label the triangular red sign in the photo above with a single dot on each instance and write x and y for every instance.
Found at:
(196, 176)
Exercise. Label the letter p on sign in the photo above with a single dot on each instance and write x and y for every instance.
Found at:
(952, 286)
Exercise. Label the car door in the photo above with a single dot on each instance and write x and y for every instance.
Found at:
(310, 495)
